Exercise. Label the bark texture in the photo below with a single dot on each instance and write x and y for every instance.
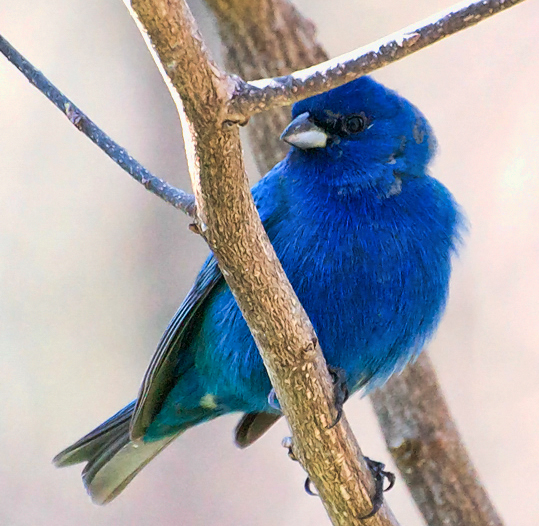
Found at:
(270, 38)
(228, 220)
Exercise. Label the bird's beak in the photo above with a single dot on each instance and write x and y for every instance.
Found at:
(303, 133)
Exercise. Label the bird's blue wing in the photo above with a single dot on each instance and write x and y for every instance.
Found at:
(161, 373)
(159, 378)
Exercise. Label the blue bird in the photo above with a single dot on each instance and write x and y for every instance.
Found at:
(365, 237)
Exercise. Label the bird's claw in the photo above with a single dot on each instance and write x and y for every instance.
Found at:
(288, 444)
(379, 474)
(377, 470)
(340, 392)
(272, 400)
(308, 488)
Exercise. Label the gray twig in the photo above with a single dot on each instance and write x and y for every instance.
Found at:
(261, 95)
(177, 198)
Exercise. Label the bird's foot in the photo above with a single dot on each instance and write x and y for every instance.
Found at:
(377, 470)
(308, 488)
(379, 474)
(340, 391)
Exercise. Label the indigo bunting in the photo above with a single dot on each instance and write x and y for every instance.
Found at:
(365, 237)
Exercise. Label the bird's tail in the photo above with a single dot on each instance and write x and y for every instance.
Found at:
(112, 458)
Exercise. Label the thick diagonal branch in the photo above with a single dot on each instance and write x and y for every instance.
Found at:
(219, 180)
(229, 222)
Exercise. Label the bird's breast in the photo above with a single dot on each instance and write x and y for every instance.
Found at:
(372, 281)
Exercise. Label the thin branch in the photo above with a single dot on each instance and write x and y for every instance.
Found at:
(249, 98)
(177, 198)
(260, 95)
(230, 224)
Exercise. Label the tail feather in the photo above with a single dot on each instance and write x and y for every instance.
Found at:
(112, 458)
(90, 445)
(106, 475)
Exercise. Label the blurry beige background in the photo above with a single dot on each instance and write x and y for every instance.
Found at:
(92, 267)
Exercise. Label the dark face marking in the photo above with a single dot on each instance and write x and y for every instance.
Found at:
(341, 125)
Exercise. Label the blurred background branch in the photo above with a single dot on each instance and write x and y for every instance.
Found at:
(416, 397)
(426, 445)
(265, 95)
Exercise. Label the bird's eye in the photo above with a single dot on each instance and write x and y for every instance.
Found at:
(355, 123)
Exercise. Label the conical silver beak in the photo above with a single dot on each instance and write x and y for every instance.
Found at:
(303, 133)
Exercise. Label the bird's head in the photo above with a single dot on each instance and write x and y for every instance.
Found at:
(360, 133)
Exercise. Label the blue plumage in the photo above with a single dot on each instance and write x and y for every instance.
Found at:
(365, 237)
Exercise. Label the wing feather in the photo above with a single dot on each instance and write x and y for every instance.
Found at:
(159, 377)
